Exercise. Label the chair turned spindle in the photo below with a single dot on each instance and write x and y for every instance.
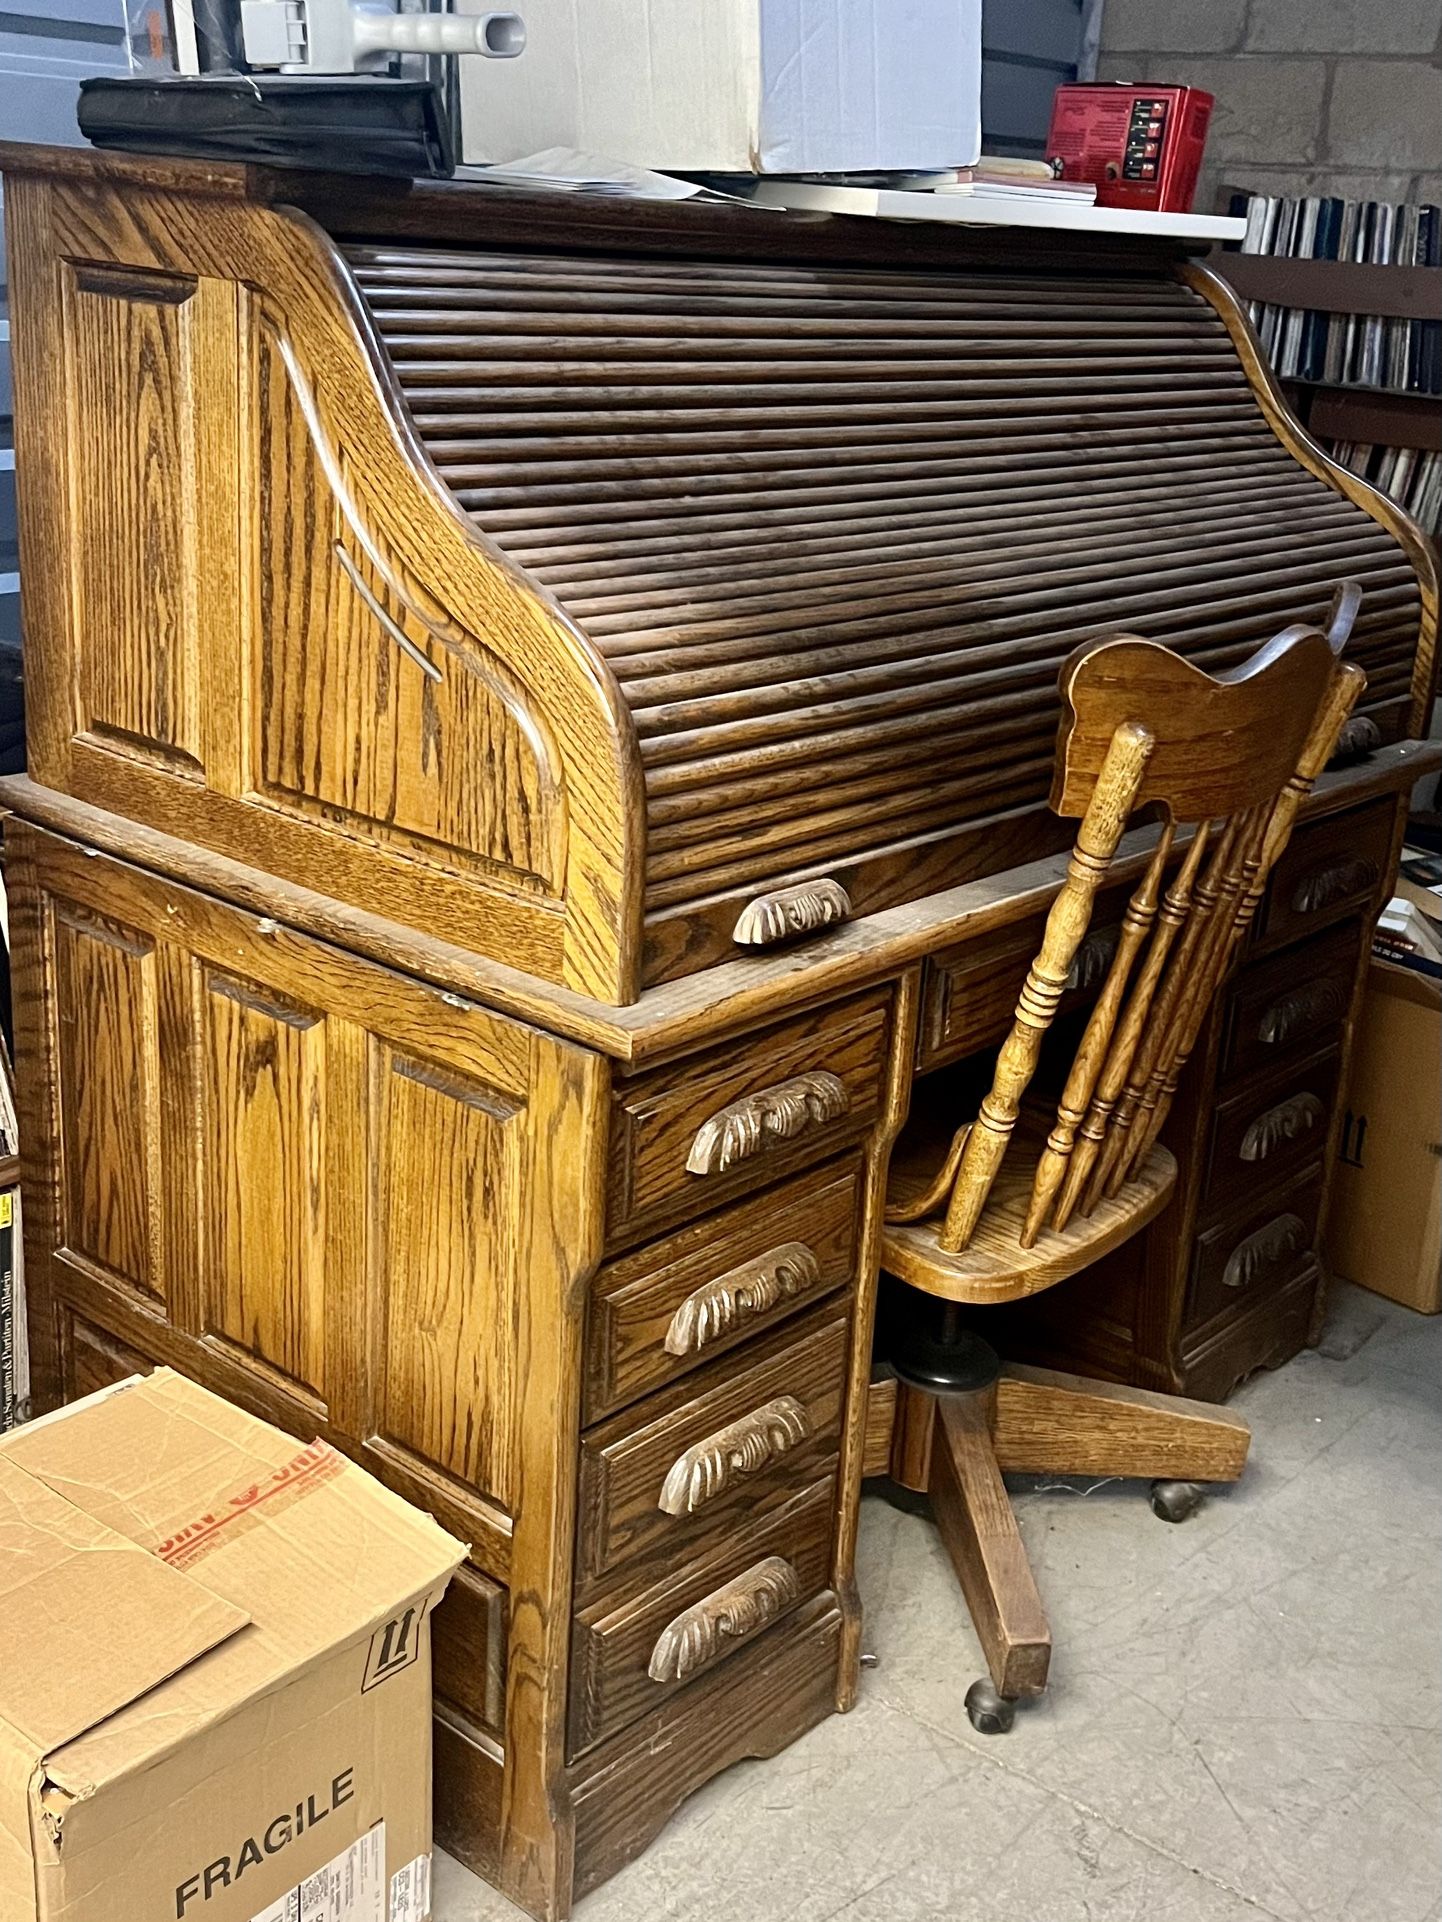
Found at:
(1112, 800)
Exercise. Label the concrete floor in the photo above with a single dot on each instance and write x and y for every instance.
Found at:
(1243, 1721)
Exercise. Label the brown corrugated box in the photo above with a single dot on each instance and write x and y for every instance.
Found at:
(1385, 1228)
(215, 1681)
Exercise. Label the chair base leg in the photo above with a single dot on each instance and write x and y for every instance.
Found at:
(981, 1536)
(1051, 1423)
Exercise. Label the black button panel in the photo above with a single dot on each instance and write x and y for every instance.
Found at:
(1145, 132)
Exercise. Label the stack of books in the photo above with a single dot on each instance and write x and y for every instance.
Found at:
(999, 177)
(1362, 350)
(996, 182)
(1406, 475)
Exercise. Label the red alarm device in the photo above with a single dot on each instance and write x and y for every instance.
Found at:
(1141, 145)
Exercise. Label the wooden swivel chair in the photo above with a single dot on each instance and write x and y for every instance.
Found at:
(1022, 1202)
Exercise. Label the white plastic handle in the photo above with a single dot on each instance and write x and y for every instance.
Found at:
(499, 36)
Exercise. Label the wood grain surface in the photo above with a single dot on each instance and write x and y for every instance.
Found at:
(708, 565)
(458, 630)
(662, 1310)
(689, 1620)
(354, 1204)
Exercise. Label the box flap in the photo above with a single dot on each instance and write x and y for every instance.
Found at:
(88, 1620)
(313, 1550)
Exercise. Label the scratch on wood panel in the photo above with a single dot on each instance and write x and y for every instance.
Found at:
(473, 656)
(398, 634)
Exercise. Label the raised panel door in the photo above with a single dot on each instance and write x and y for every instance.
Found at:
(370, 1203)
(110, 1097)
(448, 1205)
(262, 1127)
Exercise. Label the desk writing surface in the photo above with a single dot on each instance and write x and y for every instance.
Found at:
(726, 998)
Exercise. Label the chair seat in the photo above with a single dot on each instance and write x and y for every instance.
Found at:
(994, 1266)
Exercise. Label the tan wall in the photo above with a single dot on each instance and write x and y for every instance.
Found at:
(1313, 96)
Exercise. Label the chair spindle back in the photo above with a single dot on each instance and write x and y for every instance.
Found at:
(1229, 758)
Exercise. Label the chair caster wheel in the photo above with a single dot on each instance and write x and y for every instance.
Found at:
(989, 1713)
(1175, 1501)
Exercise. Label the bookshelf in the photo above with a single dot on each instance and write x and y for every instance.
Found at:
(1347, 411)
(1335, 286)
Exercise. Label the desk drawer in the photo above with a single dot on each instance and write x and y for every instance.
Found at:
(1235, 1264)
(630, 1651)
(1292, 1003)
(1269, 1129)
(740, 1437)
(969, 993)
(1330, 868)
(468, 1648)
(661, 1311)
(701, 1131)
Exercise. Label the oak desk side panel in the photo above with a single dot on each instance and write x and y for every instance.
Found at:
(359, 1206)
(260, 622)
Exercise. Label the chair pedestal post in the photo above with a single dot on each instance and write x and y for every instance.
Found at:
(935, 1350)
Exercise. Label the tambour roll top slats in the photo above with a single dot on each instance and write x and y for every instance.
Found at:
(835, 530)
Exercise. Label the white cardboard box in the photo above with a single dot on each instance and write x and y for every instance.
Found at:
(734, 86)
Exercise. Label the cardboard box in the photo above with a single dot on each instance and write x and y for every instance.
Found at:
(1385, 1228)
(215, 1679)
(734, 86)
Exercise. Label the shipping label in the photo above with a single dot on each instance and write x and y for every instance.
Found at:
(411, 1891)
(350, 1888)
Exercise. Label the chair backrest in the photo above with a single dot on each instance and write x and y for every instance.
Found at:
(1228, 757)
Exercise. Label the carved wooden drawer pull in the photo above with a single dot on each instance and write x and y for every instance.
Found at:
(1318, 1001)
(1264, 1250)
(1093, 958)
(1359, 736)
(716, 1307)
(790, 912)
(758, 1121)
(704, 1632)
(1324, 886)
(742, 1447)
(1285, 1122)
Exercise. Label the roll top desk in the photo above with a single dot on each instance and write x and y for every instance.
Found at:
(539, 724)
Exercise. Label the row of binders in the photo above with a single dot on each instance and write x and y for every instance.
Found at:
(1364, 350)
(1406, 475)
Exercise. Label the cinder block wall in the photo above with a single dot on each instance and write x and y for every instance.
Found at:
(1313, 96)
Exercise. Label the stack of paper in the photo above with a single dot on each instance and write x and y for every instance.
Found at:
(567, 170)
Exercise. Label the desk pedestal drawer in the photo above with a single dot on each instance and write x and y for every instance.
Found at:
(1330, 869)
(677, 1474)
(699, 1132)
(680, 1302)
(1237, 1263)
(629, 1653)
(1270, 1129)
(624, 1789)
(1293, 1003)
